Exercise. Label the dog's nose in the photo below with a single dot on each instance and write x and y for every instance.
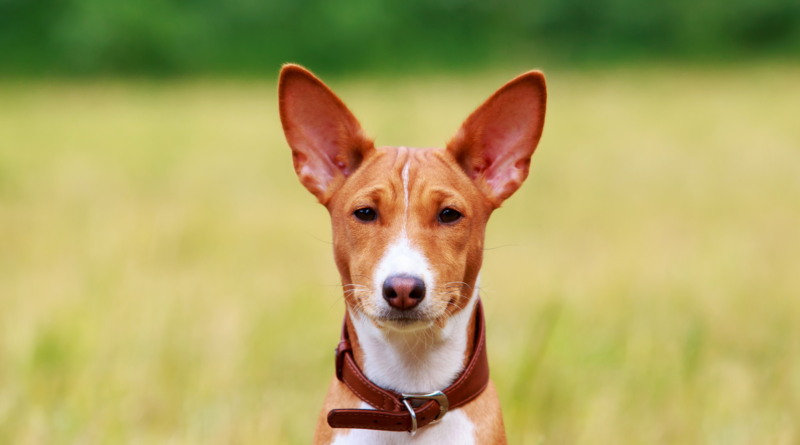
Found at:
(403, 292)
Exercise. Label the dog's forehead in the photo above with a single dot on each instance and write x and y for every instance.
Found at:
(402, 169)
(401, 179)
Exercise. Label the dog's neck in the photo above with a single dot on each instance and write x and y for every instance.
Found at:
(419, 361)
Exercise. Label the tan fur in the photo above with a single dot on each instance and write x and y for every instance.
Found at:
(486, 415)
(339, 396)
(483, 165)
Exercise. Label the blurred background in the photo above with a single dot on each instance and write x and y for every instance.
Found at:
(249, 37)
(164, 278)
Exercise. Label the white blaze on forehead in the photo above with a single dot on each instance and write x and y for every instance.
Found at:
(405, 191)
(401, 256)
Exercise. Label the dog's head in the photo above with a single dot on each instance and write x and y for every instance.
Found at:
(408, 224)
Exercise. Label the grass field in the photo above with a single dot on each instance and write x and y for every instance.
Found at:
(164, 278)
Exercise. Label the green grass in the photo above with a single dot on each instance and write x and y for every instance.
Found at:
(165, 279)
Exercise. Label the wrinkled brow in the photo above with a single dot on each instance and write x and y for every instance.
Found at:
(442, 193)
(373, 193)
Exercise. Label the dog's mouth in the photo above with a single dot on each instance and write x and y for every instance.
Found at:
(386, 317)
(403, 320)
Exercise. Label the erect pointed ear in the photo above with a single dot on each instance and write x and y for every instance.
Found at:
(327, 141)
(495, 144)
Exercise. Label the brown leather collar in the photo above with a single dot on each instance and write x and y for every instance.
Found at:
(391, 413)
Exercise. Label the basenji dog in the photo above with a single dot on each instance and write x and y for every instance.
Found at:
(408, 236)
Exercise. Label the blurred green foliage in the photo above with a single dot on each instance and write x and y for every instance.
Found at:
(167, 37)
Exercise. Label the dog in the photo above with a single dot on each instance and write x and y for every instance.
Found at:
(408, 240)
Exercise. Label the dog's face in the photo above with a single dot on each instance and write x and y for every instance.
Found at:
(408, 236)
(408, 224)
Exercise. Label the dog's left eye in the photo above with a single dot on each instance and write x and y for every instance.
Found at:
(449, 216)
(366, 214)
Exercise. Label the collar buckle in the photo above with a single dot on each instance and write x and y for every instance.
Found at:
(438, 396)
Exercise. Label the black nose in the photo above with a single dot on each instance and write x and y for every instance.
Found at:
(403, 292)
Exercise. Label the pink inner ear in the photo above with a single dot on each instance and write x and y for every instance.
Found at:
(496, 142)
(317, 118)
(326, 139)
(510, 134)
(504, 144)
(500, 141)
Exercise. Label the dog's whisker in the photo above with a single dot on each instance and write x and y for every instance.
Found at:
(354, 285)
(461, 283)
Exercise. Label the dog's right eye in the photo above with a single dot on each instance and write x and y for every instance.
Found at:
(366, 214)
(449, 215)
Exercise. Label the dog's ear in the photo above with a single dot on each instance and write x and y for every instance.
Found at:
(327, 141)
(495, 144)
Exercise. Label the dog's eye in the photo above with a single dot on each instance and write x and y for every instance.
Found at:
(366, 214)
(449, 216)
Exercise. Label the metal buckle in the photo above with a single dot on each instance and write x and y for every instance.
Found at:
(440, 398)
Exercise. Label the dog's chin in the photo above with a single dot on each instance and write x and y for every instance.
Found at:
(404, 321)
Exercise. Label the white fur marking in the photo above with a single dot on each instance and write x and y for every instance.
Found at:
(401, 258)
(405, 190)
